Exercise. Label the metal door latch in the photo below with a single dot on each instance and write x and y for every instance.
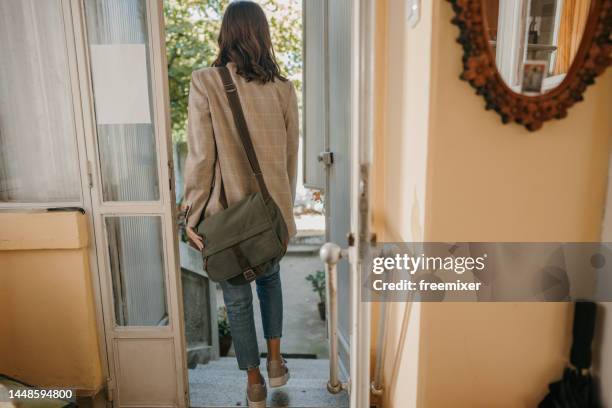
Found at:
(327, 158)
(89, 175)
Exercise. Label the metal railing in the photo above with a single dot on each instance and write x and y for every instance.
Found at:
(331, 254)
(377, 386)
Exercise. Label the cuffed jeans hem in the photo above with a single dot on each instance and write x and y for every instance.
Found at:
(272, 337)
(249, 367)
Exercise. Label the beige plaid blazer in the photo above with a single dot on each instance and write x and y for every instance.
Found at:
(271, 114)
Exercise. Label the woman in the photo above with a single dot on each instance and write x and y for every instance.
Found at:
(270, 108)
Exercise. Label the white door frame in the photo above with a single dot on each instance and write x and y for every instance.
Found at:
(511, 49)
(362, 61)
(359, 21)
(77, 78)
(362, 113)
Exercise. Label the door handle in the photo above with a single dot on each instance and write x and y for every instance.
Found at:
(331, 254)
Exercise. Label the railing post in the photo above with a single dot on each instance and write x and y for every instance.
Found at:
(330, 254)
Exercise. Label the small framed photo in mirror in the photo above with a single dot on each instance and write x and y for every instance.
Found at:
(534, 73)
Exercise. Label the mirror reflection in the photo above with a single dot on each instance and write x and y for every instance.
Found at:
(535, 41)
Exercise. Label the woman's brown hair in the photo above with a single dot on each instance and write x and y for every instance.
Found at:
(244, 39)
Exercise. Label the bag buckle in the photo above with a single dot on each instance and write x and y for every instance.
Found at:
(249, 274)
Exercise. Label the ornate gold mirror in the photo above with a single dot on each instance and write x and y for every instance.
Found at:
(533, 59)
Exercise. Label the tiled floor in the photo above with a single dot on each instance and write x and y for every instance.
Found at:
(221, 384)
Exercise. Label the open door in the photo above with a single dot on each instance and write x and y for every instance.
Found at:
(345, 158)
(123, 85)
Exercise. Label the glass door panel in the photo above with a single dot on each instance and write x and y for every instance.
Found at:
(120, 64)
(136, 260)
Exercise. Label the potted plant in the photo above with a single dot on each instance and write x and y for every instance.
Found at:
(225, 334)
(317, 280)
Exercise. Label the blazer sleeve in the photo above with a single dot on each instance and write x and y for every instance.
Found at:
(292, 124)
(200, 161)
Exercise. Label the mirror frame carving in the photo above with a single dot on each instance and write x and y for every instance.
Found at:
(479, 69)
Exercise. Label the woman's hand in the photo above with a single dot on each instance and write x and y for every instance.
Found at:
(194, 238)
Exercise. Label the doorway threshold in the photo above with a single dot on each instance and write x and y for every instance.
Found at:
(220, 384)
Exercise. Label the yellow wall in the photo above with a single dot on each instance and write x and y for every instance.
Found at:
(402, 127)
(467, 177)
(602, 344)
(48, 334)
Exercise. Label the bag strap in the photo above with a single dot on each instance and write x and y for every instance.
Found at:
(243, 130)
(249, 273)
(236, 107)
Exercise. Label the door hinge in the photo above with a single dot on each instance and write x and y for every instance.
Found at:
(350, 239)
(89, 174)
(366, 239)
(110, 388)
(327, 158)
(170, 174)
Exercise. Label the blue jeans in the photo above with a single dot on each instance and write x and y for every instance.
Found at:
(239, 302)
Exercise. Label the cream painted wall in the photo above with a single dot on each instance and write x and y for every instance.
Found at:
(400, 173)
(48, 335)
(466, 176)
(602, 350)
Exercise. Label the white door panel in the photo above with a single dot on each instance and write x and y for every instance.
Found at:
(133, 205)
(338, 196)
(314, 124)
(142, 363)
(349, 28)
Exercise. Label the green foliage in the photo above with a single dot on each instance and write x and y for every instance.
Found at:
(191, 43)
(192, 27)
(317, 280)
(224, 327)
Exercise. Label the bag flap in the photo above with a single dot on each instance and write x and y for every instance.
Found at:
(241, 220)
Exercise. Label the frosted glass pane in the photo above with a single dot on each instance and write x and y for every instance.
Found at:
(128, 163)
(135, 249)
(128, 159)
(38, 150)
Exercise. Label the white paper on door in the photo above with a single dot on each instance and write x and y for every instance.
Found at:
(121, 92)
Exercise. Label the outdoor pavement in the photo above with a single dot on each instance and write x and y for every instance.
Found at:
(304, 333)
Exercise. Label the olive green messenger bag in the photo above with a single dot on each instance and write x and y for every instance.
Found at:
(243, 240)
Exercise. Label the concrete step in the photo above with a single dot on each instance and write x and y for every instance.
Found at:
(305, 243)
(305, 249)
(309, 238)
(220, 384)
